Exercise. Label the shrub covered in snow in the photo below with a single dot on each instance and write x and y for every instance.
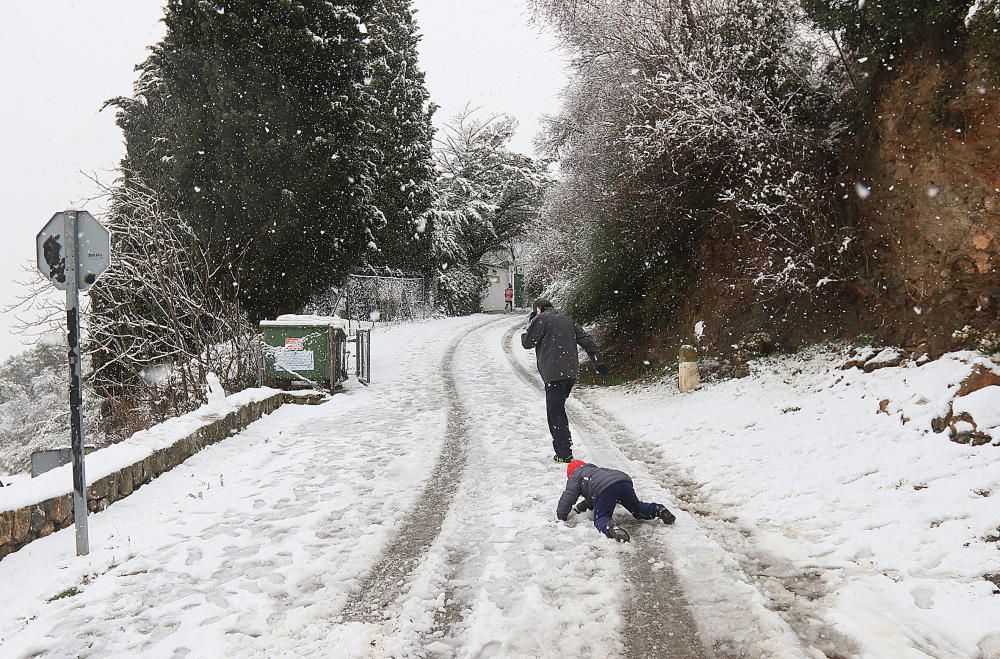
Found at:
(159, 319)
(460, 289)
(685, 115)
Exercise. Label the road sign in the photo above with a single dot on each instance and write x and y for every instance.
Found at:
(73, 251)
(93, 249)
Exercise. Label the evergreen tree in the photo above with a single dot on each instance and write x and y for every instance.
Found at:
(888, 28)
(246, 121)
(398, 138)
(485, 197)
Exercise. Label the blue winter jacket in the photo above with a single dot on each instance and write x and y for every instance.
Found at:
(588, 481)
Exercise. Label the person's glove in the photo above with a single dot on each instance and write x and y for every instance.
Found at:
(583, 507)
(602, 370)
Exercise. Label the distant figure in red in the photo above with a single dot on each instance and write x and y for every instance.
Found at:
(508, 296)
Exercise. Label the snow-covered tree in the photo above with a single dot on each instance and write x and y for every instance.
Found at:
(485, 197)
(158, 321)
(246, 123)
(398, 138)
(686, 115)
(34, 405)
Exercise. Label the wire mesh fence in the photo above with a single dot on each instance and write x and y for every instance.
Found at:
(376, 299)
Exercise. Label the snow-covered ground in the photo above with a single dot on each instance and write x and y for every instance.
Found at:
(251, 546)
(415, 517)
(869, 532)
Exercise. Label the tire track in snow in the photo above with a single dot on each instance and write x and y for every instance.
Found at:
(792, 596)
(512, 587)
(795, 596)
(387, 579)
(456, 599)
(657, 620)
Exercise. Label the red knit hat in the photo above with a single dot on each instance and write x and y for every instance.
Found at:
(571, 467)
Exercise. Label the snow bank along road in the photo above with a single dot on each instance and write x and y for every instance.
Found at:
(868, 532)
(411, 518)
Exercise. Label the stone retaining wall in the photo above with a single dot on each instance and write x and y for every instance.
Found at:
(23, 525)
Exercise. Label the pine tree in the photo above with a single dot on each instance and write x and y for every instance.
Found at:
(246, 122)
(887, 28)
(399, 136)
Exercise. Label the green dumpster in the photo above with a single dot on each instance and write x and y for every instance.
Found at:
(303, 351)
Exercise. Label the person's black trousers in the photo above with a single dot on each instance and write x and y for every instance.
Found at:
(556, 393)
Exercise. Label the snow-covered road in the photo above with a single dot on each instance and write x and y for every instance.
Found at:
(868, 533)
(251, 547)
(415, 517)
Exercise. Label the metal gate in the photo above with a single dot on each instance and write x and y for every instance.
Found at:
(363, 356)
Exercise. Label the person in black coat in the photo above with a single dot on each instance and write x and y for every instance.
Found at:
(602, 490)
(554, 337)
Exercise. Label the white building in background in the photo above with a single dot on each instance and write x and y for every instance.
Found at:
(500, 273)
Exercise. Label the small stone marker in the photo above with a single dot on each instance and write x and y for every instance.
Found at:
(687, 366)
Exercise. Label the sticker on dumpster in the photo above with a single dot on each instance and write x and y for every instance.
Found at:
(294, 344)
(295, 359)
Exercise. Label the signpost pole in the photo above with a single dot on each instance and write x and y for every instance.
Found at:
(75, 392)
(73, 250)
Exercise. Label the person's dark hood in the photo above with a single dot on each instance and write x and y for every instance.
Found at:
(541, 304)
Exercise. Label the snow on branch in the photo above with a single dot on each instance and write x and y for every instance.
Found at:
(685, 113)
(159, 321)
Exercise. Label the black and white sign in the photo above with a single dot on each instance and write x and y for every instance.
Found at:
(74, 250)
(93, 249)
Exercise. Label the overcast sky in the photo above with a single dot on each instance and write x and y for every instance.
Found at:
(61, 59)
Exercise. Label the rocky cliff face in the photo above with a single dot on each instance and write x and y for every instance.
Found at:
(924, 268)
(933, 216)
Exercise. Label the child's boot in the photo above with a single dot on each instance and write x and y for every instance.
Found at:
(616, 532)
(665, 515)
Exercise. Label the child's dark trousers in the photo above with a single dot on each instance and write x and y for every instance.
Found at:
(620, 493)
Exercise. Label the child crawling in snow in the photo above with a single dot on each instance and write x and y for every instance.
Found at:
(603, 489)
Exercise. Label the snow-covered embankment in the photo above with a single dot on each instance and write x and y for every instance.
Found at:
(844, 506)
